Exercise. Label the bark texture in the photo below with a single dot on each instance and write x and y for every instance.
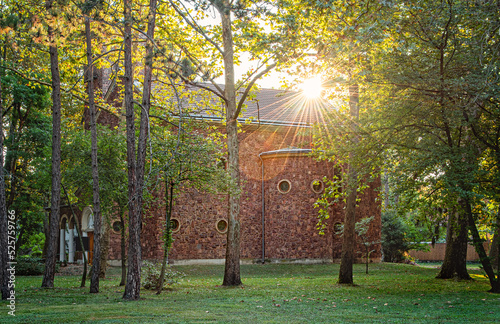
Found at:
(133, 285)
(349, 239)
(169, 203)
(136, 180)
(50, 261)
(483, 257)
(96, 262)
(455, 258)
(122, 249)
(495, 245)
(104, 248)
(4, 257)
(232, 265)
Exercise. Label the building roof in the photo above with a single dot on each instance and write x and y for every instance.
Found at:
(275, 107)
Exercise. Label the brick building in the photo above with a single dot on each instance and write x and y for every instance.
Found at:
(280, 184)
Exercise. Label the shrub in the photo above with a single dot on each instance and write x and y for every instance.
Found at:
(150, 275)
(394, 243)
(29, 266)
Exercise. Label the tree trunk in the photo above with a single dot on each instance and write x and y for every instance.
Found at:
(78, 230)
(232, 266)
(169, 202)
(96, 261)
(455, 258)
(132, 288)
(50, 261)
(4, 256)
(11, 156)
(146, 104)
(133, 285)
(123, 247)
(495, 245)
(46, 233)
(104, 248)
(349, 239)
(478, 244)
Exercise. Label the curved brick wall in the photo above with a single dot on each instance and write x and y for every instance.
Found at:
(290, 219)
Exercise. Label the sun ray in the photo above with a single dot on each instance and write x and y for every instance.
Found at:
(312, 88)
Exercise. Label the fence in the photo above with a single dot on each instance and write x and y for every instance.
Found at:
(436, 253)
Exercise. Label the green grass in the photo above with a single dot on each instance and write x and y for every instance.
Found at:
(272, 293)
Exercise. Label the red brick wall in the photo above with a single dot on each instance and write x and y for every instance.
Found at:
(290, 219)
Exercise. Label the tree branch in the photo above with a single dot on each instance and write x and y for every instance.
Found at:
(247, 89)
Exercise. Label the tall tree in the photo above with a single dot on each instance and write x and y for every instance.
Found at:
(185, 159)
(430, 75)
(342, 56)
(3, 211)
(25, 132)
(50, 263)
(132, 287)
(221, 44)
(96, 263)
(232, 267)
(136, 169)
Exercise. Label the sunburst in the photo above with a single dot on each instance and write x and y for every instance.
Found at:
(312, 88)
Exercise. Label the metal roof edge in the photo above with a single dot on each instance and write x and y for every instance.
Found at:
(285, 153)
(256, 121)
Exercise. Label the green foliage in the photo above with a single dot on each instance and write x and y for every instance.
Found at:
(182, 159)
(361, 228)
(34, 245)
(27, 130)
(394, 241)
(77, 172)
(331, 196)
(150, 275)
(31, 266)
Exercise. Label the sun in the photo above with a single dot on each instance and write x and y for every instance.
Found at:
(312, 88)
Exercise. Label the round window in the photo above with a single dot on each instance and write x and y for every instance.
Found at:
(317, 186)
(117, 226)
(175, 225)
(338, 228)
(284, 186)
(221, 226)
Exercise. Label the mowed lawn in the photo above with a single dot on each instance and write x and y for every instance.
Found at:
(272, 293)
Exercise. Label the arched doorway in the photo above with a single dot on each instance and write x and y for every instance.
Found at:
(88, 231)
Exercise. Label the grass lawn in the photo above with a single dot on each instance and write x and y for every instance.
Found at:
(272, 293)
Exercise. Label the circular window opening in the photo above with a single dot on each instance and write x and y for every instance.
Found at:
(221, 226)
(175, 225)
(338, 228)
(317, 186)
(284, 186)
(117, 226)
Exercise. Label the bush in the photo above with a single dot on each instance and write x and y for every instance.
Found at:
(394, 243)
(31, 266)
(150, 275)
